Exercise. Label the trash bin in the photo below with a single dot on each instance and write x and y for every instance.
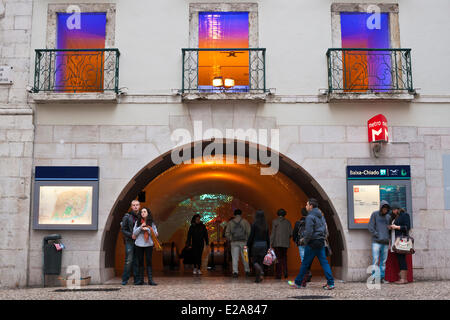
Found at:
(52, 256)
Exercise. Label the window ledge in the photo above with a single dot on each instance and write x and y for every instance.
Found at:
(52, 97)
(224, 96)
(345, 96)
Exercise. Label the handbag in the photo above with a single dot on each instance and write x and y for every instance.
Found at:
(404, 245)
(155, 240)
(270, 257)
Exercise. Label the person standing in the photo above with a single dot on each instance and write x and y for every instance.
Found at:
(298, 236)
(315, 235)
(127, 224)
(196, 239)
(258, 242)
(280, 241)
(378, 227)
(401, 224)
(237, 232)
(144, 244)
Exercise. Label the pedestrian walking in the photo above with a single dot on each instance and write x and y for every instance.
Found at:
(378, 227)
(258, 243)
(237, 232)
(196, 239)
(127, 225)
(280, 242)
(315, 235)
(143, 229)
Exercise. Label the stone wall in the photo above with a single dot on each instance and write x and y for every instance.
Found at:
(323, 151)
(16, 144)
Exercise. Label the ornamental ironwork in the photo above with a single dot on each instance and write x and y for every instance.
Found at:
(76, 70)
(353, 70)
(244, 68)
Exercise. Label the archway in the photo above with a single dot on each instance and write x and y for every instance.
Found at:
(239, 181)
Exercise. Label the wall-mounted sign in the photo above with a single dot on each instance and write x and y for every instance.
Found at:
(66, 198)
(5, 75)
(367, 186)
(378, 129)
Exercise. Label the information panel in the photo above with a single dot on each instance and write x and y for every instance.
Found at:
(367, 186)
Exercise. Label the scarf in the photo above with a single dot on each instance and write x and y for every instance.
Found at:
(146, 235)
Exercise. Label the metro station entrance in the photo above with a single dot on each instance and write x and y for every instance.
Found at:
(174, 193)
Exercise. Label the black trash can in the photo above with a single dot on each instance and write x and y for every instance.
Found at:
(52, 257)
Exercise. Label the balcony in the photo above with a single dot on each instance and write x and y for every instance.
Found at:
(369, 74)
(217, 74)
(76, 75)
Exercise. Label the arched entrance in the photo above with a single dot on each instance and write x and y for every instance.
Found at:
(168, 186)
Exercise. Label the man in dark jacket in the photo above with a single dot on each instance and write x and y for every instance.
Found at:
(378, 227)
(315, 235)
(298, 236)
(127, 225)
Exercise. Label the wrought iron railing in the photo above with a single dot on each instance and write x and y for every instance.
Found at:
(369, 70)
(76, 70)
(245, 66)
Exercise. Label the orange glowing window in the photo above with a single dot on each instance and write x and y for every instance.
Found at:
(226, 68)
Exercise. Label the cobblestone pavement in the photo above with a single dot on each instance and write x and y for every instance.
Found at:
(227, 288)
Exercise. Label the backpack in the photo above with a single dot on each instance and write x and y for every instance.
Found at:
(238, 232)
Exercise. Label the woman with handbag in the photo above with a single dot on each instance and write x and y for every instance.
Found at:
(258, 242)
(400, 225)
(143, 229)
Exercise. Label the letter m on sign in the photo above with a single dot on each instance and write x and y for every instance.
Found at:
(378, 129)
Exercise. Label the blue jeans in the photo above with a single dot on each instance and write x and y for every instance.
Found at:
(310, 254)
(379, 257)
(130, 262)
(301, 250)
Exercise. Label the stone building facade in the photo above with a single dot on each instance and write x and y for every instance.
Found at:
(124, 133)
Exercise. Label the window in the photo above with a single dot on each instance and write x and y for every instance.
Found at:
(220, 30)
(80, 71)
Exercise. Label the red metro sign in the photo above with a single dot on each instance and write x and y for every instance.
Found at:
(378, 129)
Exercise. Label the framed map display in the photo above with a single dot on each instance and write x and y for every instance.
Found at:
(65, 203)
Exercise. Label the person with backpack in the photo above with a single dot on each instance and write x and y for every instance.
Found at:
(127, 226)
(280, 242)
(196, 239)
(258, 243)
(298, 236)
(142, 230)
(315, 235)
(237, 232)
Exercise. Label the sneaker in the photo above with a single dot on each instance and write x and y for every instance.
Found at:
(328, 287)
(384, 281)
(235, 275)
(199, 271)
(124, 283)
(292, 284)
(195, 271)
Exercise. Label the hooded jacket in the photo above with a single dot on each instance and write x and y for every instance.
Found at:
(316, 226)
(378, 225)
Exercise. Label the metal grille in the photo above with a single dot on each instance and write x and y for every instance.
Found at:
(256, 68)
(76, 70)
(369, 70)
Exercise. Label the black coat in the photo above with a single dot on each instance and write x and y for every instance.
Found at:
(197, 235)
(127, 224)
(257, 235)
(301, 224)
(403, 220)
